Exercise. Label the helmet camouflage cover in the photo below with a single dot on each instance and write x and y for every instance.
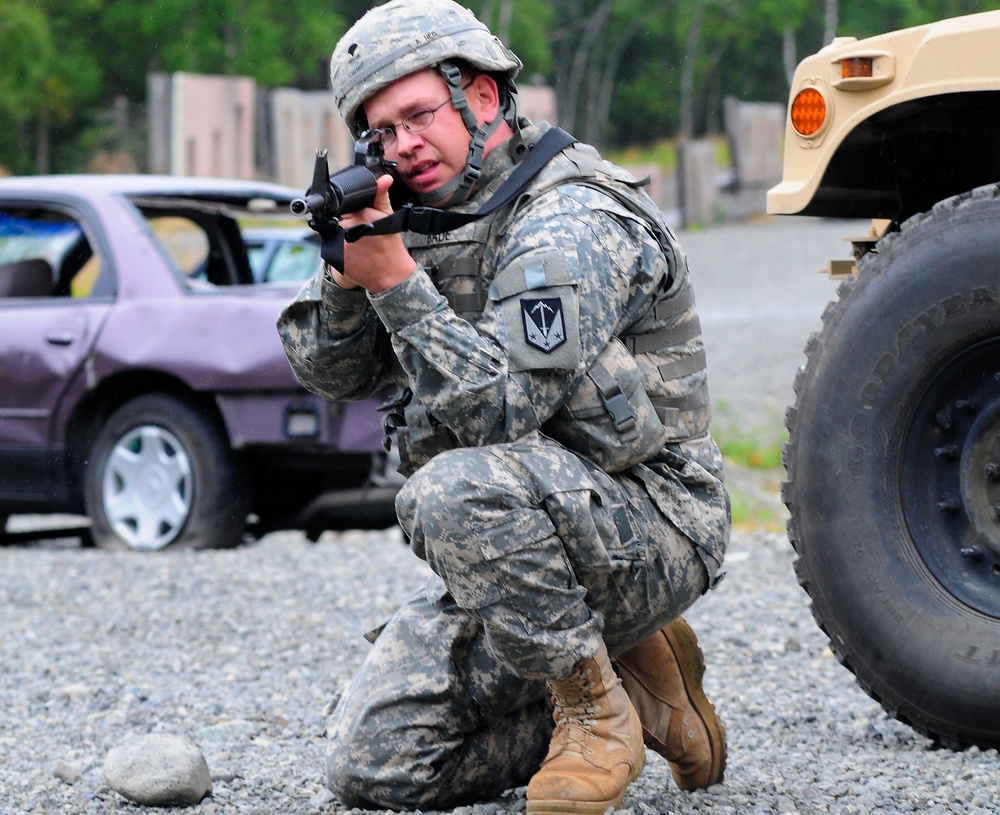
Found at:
(402, 37)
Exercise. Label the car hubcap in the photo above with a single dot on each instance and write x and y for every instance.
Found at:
(147, 488)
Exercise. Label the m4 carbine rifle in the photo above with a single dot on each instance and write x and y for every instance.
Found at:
(347, 190)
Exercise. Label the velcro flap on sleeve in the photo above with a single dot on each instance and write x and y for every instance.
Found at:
(537, 271)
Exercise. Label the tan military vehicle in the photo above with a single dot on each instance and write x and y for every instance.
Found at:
(893, 456)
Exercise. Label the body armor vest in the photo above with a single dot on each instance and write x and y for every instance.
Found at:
(657, 367)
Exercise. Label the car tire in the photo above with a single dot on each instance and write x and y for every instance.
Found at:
(161, 475)
(893, 464)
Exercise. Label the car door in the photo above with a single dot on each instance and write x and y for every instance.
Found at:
(55, 290)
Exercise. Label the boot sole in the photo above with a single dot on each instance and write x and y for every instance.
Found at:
(691, 661)
(563, 807)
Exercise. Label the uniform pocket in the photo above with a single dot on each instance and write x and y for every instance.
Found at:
(609, 417)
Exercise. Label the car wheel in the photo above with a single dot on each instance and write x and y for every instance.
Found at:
(893, 467)
(161, 474)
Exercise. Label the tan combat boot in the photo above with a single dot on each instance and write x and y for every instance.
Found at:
(662, 676)
(596, 748)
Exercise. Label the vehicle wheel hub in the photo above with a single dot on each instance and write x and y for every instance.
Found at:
(147, 488)
(950, 477)
(152, 489)
(980, 478)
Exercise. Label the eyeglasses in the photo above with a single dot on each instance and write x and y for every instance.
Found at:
(414, 123)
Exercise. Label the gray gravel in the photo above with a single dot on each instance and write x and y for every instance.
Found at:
(241, 650)
(759, 296)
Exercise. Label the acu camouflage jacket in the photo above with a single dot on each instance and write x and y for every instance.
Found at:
(570, 313)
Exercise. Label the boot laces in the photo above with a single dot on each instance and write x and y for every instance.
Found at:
(575, 710)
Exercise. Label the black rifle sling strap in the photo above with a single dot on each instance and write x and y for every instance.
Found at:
(431, 221)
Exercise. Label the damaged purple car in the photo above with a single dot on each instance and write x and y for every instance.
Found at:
(142, 381)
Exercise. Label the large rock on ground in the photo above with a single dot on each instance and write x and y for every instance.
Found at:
(160, 769)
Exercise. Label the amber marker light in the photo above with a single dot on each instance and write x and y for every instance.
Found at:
(808, 112)
(856, 67)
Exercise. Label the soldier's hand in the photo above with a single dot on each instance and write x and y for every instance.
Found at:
(375, 262)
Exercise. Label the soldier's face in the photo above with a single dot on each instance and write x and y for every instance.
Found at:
(430, 157)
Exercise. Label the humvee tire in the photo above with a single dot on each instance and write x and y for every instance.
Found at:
(893, 465)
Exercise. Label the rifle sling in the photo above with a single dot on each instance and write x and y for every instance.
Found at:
(431, 221)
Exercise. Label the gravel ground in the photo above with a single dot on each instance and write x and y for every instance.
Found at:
(759, 297)
(241, 650)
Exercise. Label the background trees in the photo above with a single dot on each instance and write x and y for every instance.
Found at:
(626, 71)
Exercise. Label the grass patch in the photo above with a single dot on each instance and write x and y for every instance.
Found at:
(754, 471)
(755, 452)
(663, 154)
(754, 447)
(749, 512)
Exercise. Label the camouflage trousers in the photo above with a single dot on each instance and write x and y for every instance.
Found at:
(537, 556)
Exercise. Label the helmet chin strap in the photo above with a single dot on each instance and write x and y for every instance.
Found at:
(458, 189)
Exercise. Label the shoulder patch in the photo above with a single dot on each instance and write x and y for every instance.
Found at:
(538, 299)
(544, 323)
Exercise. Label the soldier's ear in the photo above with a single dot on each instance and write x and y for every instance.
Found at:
(484, 98)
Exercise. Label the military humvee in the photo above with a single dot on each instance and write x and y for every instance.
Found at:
(893, 458)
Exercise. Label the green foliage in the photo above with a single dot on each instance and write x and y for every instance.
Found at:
(892, 14)
(274, 43)
(525, 26)
(50, 75)
(26, 43)
(626, 72)
(24, 33)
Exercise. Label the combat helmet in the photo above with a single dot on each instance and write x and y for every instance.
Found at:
(402, 37)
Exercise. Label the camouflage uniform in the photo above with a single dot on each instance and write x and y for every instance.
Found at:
(552, 419)
(538, 550)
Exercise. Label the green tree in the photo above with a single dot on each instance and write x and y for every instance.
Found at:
(275, 43)
(26, 43)
(625, 71)
(49, 75)
(524, 25)
(76, 64)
